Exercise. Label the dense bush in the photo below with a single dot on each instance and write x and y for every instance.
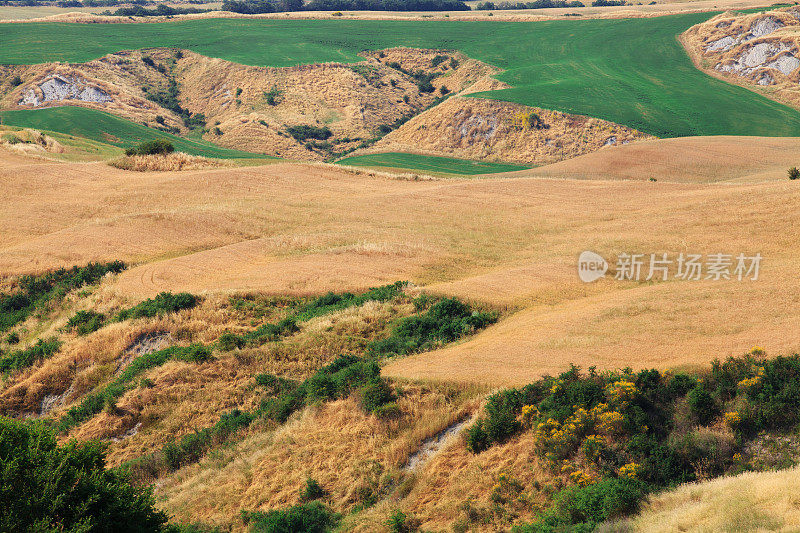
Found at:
(169, 98)
(36, 291)
(85, 322)
(304, 132)
(446, 321)
(154, 147)
(163, 303)
(46, 487)
(336, 380)
(583, 508)
(703, 406)
(311, 517)
(619, 434)
(311, 491)
(161, 10)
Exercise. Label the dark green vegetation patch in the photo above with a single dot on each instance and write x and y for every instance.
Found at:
(620, 435)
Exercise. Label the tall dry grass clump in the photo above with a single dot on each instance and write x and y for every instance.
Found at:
(164, 163)
(30, 140)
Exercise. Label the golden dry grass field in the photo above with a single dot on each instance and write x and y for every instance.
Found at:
(507, 241)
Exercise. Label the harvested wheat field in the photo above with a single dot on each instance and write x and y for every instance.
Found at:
(304, 229)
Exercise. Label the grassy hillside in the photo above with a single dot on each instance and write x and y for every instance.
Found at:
(427, 163)
(106, 128)
(632, 72)
(753, 501)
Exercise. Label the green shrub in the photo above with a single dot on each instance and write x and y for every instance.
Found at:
(85, 322)
(317, 307)
(399, 522)
(702, 405)
(274, 96)
(437, 60)
(12, 338)
(446, 321)
(94, 402)
(163, 303)
(188, 449)
(794, 173)
(154, 147)
(476, 437)
(38, 291)
(304, 132)
(375, 395)
(310, 517)
(46, 487)
(311, 491)
(389, 411)
(229, 341)
(16, 81)
(19, 359)
(336, 380)
(195, 353)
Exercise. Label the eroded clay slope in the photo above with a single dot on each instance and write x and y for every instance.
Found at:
(477, 128)
(246, 107)
(758, 50)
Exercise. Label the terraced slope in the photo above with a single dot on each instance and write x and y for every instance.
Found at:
(632, 72)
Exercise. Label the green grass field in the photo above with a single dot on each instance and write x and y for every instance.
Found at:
(630, 71)
(109, 129)
(428, 163)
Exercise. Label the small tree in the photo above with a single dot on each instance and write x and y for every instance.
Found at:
(46, 487)
(154, 147)
(794, 173)
(311, 491)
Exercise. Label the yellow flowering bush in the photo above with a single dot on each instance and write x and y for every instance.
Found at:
(583, 478)
(527, 120)
(610, 423)
(528, 415)
(630, 470)
(621, 392)
(733, 419)
(592, 447)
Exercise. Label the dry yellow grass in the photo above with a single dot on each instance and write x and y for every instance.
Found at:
(685, 159)
(335, 443)
(301, 229)
(472, 128)
(164, 163)
(183, 397)
(746, 503)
